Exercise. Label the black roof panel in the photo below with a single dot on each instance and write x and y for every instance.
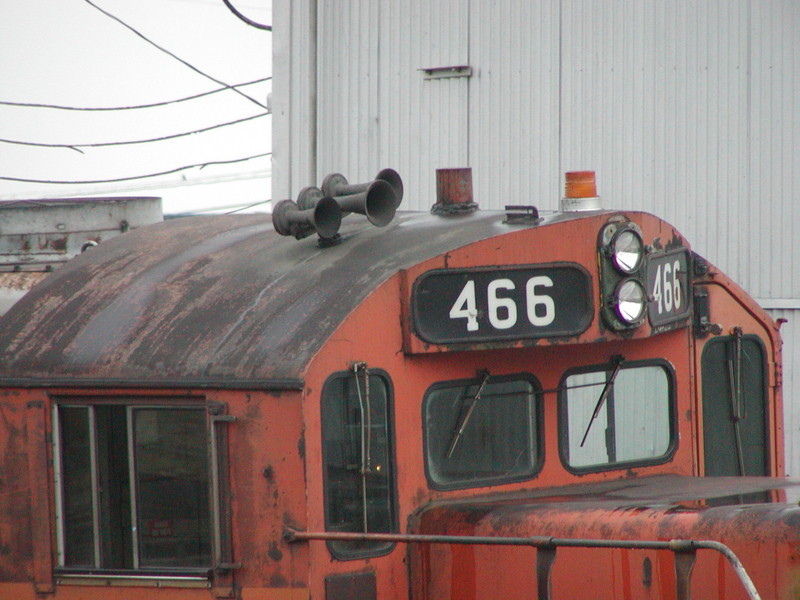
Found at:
(220, 300)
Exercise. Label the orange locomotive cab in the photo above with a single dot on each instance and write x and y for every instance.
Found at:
(469, 404)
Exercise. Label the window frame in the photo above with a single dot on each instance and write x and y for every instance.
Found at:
(383, 548)
(607, 367)
(538, 417)
(217, 472)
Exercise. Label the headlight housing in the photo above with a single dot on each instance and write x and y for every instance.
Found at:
(622, 259)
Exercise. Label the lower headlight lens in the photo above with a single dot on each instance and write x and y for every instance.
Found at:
(630, 300)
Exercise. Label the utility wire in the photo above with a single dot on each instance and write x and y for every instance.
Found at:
(77, 147)
(132, 187)
(164, 50)
(133, 177)
(245, 19)
(136, 107)
(248, 206)
(210, 209)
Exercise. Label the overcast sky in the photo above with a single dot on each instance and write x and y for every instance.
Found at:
(69, 53)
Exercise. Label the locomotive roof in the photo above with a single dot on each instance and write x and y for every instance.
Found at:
(212, 301)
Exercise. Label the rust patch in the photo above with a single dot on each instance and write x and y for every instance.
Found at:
(274, 552)
(59, 244)
(21, 280)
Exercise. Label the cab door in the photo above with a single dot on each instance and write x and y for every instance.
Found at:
(735, 405)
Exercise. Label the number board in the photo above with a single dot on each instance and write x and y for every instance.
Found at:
(501, 303)
(668, 287)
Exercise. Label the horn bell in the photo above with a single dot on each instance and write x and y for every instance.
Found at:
(325, 218)
(393, 178)
(336, 184)
(378, 202)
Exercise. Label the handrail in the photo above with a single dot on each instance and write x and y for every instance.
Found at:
(684, 551)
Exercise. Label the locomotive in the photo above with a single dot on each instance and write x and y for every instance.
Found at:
(453, 404)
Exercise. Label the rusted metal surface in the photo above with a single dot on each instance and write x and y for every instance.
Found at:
(744, 515)
(37, 236)
(453, 191)
(349, 586)
(684, 550)
(15, 285)
(37, 233)
(210, 300)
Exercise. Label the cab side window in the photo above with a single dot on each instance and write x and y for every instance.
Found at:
(133, 487)
(358, 459)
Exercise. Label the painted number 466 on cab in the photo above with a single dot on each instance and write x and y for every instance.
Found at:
(507, 303)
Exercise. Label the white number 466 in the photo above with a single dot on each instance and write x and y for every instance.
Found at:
(502, 310)
(667, 291)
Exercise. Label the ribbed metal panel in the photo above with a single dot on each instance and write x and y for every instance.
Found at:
(348, 77)
(377, 108)
(514, 95)
(293, 147)
(654, 98)
(770, 269)
(424, 121)
(770, 265)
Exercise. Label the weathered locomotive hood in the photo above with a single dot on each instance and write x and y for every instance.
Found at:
(659, 507)
(219, 300)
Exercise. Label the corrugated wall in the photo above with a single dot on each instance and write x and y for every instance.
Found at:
(685, 108)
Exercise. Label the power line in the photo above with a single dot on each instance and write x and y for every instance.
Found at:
(248, 206)
(135, 107)
(77, 147)
(245, 19)
(167, 52)
(150, 186)
(236, 208)
(134, 177)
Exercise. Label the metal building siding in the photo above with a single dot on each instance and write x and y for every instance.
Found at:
(293, 146)
(423, 121)
(769, 268)
(772, 208)
(654, 98)
(513, 103)
(375, 106)
(348, 77)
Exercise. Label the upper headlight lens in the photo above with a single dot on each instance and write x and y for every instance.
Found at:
(631, 301)
(627, 251)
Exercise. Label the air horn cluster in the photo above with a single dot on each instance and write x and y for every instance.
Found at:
(321, 210)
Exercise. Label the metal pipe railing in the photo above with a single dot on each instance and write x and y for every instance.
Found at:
(685, 551)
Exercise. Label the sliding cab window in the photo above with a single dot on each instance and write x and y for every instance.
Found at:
(482, 431)
(617, 415)
(358, 459)
(134, 487)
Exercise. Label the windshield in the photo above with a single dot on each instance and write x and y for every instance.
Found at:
(632, 424)
(481, 431)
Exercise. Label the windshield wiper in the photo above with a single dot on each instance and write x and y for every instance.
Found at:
(617, 362)
(737, 399)
(465, 415)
